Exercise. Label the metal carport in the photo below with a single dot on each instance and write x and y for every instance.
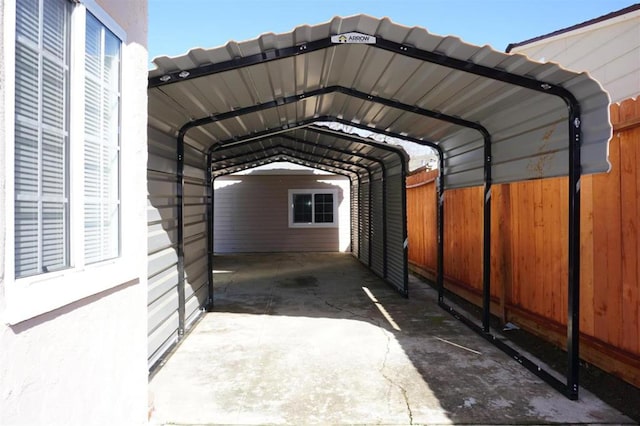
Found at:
(492, 117)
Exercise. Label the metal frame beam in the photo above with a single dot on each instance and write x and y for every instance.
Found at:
(301, 155)
(276, 157)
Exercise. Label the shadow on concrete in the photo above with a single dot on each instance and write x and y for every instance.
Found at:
(451, 374)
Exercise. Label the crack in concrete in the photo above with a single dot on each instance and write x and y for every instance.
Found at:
(392, 382)
(387, 335)
(339, 309)
(353, 314)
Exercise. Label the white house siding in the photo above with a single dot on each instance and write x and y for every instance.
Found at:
(251, 214)
(608, 50)
(83, 362)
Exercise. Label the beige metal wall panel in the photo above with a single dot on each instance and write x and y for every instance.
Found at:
(162, 262)
(196, 273)
(251, 214)
(364, 222)
(162, 231)
(195, 237)
(355, 219)
(378, 233)
(395, 231)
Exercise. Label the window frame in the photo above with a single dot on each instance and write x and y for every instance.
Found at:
(33, 295)
(313, 224)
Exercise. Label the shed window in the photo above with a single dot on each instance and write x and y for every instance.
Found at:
(311, 208)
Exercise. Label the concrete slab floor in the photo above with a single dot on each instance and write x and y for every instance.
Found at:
(318, 339)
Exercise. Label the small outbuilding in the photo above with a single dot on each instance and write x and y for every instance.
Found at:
(492, 118)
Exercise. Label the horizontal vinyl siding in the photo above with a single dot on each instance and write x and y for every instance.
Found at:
(610, 52)
(251, 215)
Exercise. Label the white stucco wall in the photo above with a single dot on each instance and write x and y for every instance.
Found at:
(82, 362)
(608, 50)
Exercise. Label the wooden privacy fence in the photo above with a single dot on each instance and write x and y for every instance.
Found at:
(529, 250)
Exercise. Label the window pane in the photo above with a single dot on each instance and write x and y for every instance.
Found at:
(102, 143)
(27, 167)
(26, 238)
(27, 20)
(53, 236)
(41, 136)
(53, 93)
(53, 165)
(302, 208)
(55, 17)
(27, 82)
(323, 208)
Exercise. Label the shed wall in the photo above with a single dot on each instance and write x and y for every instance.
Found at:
(251, 215)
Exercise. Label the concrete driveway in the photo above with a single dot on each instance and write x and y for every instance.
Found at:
(318, 339)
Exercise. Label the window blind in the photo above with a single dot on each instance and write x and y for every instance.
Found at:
(41, 136)
(101, 144)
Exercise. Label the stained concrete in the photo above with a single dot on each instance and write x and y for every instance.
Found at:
(318, 339)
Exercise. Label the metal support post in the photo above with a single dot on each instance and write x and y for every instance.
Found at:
(486, 238)
(573, 320)
(180, 232)
(210, 212)
(440, 230)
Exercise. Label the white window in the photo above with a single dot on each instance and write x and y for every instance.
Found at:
(66, 152)
(41, 136)
(101, 143)
(48, 155)
(313, 208)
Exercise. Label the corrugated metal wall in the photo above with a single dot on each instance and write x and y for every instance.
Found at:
(195, 233)
(162, 237)
(363, 223)
(377, 225)
(379, 220)
(163, 302)
(395, 230)
(355, 223)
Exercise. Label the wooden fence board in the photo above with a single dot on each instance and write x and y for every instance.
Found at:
(529, 249)
(630, 198)
(586, 257)
(606, 240)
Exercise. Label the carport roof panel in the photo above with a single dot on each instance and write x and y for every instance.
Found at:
(320, 145)
(528, 125)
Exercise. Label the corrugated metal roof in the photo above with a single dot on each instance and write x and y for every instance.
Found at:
(313, 145)
(402, 81)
